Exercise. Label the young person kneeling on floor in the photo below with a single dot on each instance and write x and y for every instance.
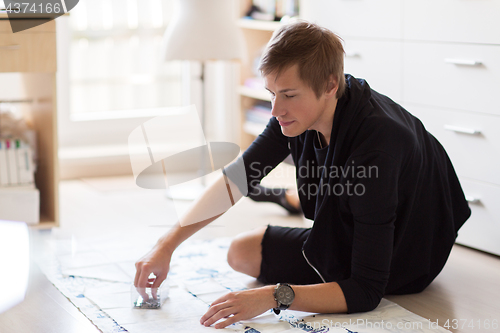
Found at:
(383, 194)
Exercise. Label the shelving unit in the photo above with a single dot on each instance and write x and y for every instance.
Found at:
(262, 95)
(258, 25)
(256, 34)
(28, 75)
(255, 40)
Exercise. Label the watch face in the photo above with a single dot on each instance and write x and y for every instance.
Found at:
(285, 295)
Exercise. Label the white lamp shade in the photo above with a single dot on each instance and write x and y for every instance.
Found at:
(203, 30)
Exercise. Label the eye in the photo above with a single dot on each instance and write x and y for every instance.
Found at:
(289, 96)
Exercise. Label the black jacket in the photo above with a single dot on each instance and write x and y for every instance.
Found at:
(384, 196)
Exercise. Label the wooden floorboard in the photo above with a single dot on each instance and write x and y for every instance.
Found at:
(44, 310)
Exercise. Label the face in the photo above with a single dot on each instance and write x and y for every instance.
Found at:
(296, 106)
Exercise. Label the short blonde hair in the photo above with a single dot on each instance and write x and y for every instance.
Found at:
(317, 51)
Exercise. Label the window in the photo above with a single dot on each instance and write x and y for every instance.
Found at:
(115, 60)
(111, 79)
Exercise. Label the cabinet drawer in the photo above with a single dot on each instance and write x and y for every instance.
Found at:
(474, 156)
(467, 21)
(463, 77)
(482, 230)
(350, 18)
(34, 52)
(378, 62)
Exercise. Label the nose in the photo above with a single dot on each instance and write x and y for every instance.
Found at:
(277, 110)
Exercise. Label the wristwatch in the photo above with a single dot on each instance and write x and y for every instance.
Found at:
(284, 296)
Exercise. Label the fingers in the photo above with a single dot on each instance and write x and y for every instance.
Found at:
(143, 279)
(157, 281)
(227, 322)
(221, 308)
(214, 307)
(150, 285)
(137, 274)
(225, 312)
(156, 284)
(142, 292)
(141, 274)
(221, 299)
(141, 283)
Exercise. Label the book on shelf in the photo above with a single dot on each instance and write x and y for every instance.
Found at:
(19, 199)
(259, 113)
(273, 10)
(16, 163)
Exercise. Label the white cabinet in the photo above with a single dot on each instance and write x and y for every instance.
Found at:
(441, 61)
(483, 229)
(379, 62)
(379, 19)
(462, 21)
(456, 76)
(472, 140)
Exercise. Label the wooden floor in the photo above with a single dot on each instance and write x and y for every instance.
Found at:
(465, 294)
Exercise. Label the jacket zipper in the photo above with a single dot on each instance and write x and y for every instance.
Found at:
(304, 254)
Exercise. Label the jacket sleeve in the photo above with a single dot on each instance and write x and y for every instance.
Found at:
(373, 205)
(268, 150)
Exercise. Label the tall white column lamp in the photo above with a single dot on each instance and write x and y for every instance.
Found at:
(202, 30)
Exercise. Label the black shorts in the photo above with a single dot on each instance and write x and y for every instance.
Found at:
(282, 258)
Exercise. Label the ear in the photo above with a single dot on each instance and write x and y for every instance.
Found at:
(331, 87)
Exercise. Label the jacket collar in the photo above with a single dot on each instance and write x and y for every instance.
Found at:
(349, 114)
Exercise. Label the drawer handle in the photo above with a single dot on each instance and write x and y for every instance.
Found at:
(352, 54)
(463, 62)
(462, 130)
(472, 200)
(10, 47)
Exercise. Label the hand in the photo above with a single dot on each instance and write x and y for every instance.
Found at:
(156, 261)
(239, 305)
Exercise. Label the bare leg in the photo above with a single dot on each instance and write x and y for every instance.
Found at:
(292, 197)
(245, 252)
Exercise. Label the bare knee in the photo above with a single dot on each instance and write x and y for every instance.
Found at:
(245, 252)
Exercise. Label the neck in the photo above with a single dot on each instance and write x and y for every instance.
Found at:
(324, 126)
